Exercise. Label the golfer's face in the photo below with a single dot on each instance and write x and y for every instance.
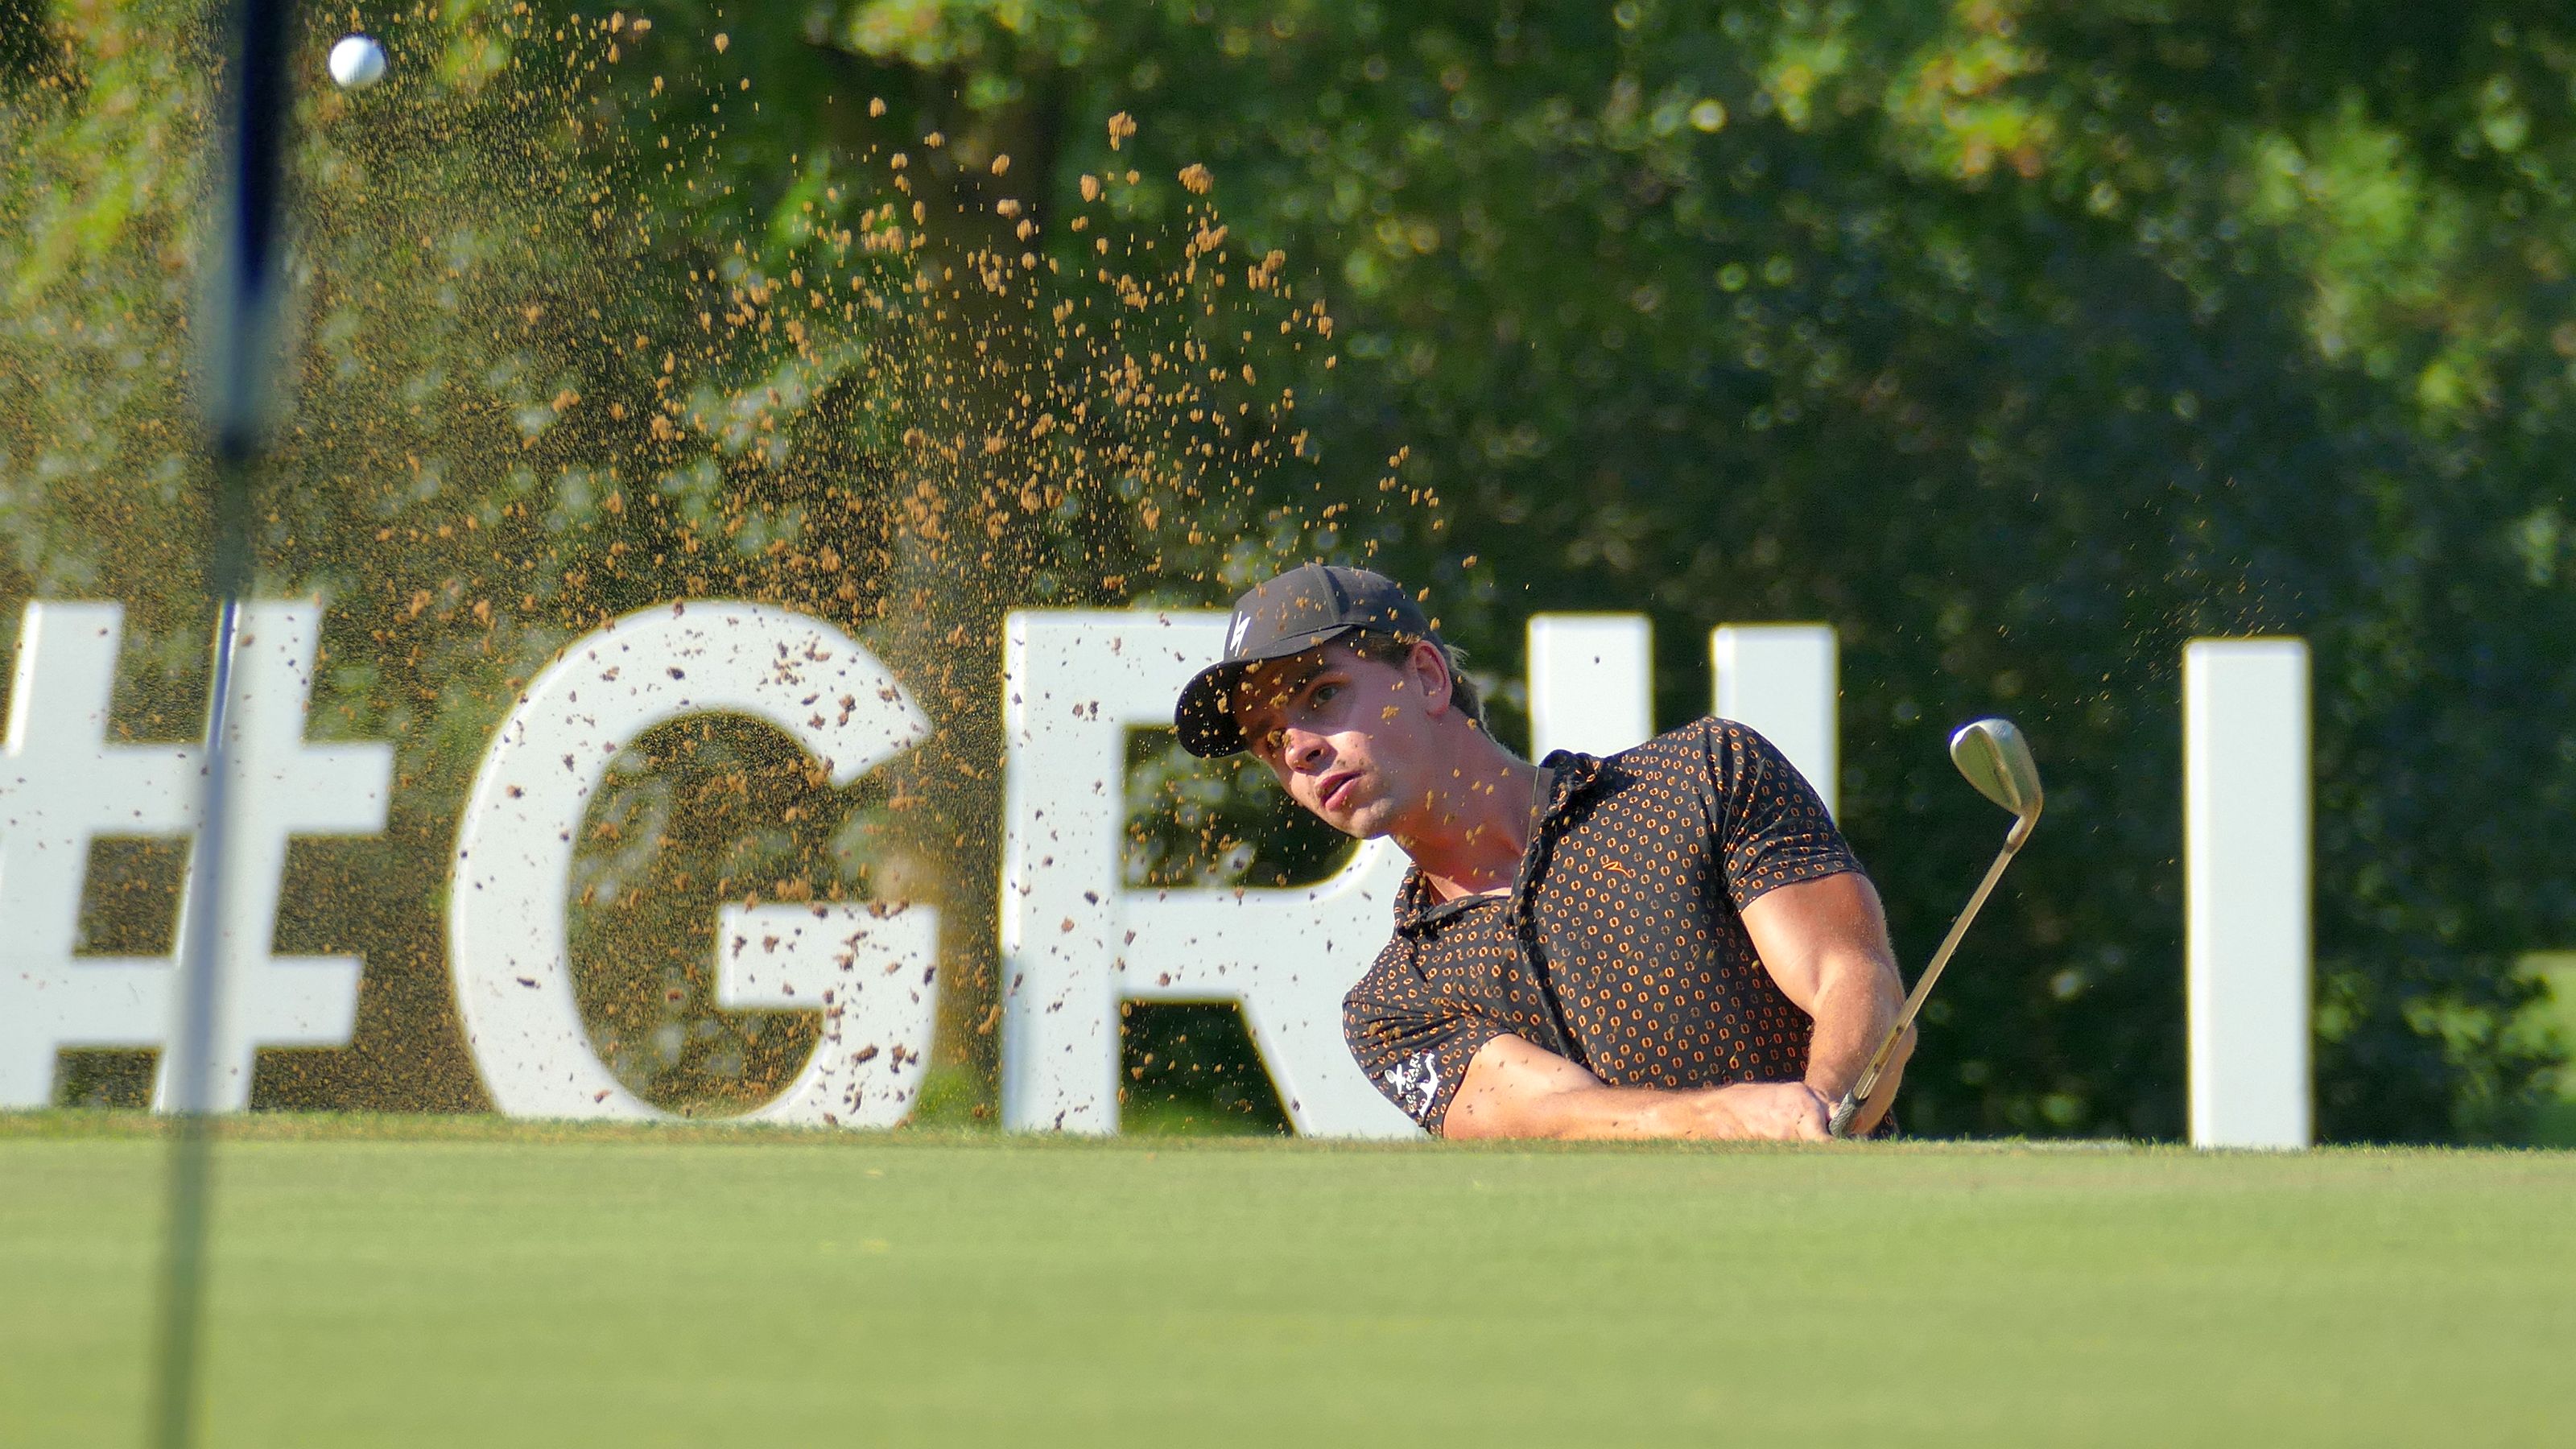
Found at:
(1335, 729)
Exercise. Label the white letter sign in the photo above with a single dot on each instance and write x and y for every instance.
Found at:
(2245, 890)
(1075, 943)
(1783, 680)
(63, 786)
(867, 971)
(1591, 683)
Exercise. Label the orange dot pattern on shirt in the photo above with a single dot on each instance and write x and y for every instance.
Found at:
(1622, 946)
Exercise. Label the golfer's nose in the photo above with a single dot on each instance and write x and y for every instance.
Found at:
(1303, 749)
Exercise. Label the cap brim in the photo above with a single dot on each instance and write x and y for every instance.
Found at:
(1205, 717)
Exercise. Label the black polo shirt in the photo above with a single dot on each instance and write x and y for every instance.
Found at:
(1621, 945)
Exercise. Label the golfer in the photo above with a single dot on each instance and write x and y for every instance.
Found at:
(1670, 942)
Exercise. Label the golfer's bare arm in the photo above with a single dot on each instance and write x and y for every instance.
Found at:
(1516, 1089)
(1825, 944)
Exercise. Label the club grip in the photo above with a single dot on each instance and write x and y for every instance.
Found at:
(1839, 1124)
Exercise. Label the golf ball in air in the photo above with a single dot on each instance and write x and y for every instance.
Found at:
(357, 62)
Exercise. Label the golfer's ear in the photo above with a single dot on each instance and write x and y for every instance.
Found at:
(1430, 670)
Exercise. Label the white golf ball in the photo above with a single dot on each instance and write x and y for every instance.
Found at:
(357, 62)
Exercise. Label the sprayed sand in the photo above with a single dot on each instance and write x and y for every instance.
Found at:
(558, 361)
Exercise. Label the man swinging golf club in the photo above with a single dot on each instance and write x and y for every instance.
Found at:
(1670, 942)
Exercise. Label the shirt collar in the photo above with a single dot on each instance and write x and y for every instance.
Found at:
(1574, 773)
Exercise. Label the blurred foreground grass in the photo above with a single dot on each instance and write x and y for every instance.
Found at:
(465, 1280)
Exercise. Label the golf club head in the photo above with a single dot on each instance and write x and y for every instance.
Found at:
(1996, 759)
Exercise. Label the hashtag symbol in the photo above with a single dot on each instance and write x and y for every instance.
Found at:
(62, 785)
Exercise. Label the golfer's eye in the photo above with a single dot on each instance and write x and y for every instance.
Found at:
(1324, 693)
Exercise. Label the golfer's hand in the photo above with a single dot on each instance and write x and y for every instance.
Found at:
(1775, 1111)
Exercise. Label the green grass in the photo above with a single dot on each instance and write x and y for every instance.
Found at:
(438, 1282)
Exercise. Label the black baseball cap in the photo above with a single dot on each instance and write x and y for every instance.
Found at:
(1301, 609)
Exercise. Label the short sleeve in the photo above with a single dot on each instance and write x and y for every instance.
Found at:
(1772, 827)
(1413, 1043)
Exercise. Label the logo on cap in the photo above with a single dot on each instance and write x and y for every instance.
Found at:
(1234, 635)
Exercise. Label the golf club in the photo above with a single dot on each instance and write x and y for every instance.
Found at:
(1995, 758)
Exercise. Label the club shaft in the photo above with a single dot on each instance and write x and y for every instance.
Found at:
(1868, 1082)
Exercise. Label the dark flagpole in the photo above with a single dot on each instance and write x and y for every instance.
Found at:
(237, 384)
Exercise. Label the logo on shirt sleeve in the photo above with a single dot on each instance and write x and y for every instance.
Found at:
(1414, 1083)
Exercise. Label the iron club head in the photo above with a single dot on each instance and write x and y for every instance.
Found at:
(1996, 759)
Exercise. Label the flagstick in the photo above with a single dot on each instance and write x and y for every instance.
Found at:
(237, 383)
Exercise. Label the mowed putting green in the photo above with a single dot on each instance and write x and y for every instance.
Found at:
(411, 1281)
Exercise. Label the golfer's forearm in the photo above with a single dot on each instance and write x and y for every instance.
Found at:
(1582, 1112)
(1855, 1004)
(1599, 1114)
(1515, 1089)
